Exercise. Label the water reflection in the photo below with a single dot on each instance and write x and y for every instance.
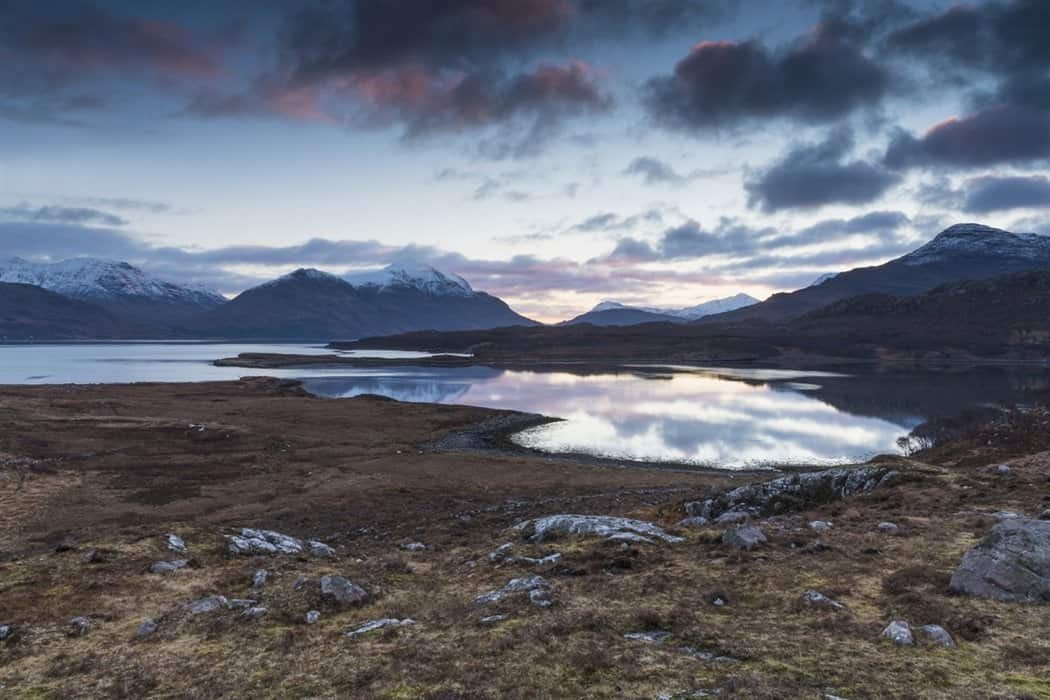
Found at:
(719, 417)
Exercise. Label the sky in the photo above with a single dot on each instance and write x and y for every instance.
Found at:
(553, 152)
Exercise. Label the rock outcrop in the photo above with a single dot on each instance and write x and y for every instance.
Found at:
(1011, 564)
(552, 526)
(794, 493)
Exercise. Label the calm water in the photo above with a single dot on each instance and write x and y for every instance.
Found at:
(711, 417)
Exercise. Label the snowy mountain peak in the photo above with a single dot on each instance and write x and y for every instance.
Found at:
(691, 313)
(977, 239)
(93, 278)
(303, 273)
(422, 277)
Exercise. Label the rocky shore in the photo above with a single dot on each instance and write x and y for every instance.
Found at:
(244, 539)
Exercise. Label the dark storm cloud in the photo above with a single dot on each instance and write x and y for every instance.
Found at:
(62, 215)
(993, 136)
(757, 247)
(819, 78)
(987, 194)
(815, 175)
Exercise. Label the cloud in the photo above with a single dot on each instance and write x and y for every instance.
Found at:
(821, 77)
(991, 193)
(993, 136)
(654, 171)
(63, 215)
(815, 175)
(608, 222)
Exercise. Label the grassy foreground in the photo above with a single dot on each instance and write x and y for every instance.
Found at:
(93, 478)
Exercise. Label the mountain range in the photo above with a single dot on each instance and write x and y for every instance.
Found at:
(87, 298)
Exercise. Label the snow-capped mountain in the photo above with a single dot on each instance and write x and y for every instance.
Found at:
(690, 313)
(960, 252)
(420, 277)
(310, 304)
(125, 291)
(95, 279)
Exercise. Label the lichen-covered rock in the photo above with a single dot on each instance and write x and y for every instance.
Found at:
(378, 625)
(744, 537)
(899, 632)
(252, 541)
(342, 591)
(795, 492)
(213, 603)
(525, 584)
(1011, 564)
(606, 526)
(935, 634)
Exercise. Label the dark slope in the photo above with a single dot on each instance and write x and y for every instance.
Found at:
(31, 313)
(621, 317)
(961, 252)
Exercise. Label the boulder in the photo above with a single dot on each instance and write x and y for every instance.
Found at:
(888, 528)
(255, 612)
(818, 599)
(820, 526)
(606, 526)
(935, 634)
(733, 517)
(899, 632)
(259, 578)
(744, 537)
(414, 547)
(378, 625)
(320, 550)
(795, 492)
(252, 541)
(1011, 564)
(175, 543)
(525, 584)
(342, 591)
(695, 521)
(79, 626)
(6, 632)
(213, 603)
(312, 617)
(147, 628)
(541, 598)
(167, 567)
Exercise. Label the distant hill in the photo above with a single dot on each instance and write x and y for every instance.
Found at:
(613, 313)
(126, 291)
(961, 252)
(28, 312)
(310, 304)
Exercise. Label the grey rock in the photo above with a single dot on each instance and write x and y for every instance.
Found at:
(694, 521)
(1045, 515)
(342, 591)
(544, 562)
(414, 547)
(255, 612)
(320, 550)
(312, 617)
(525, 584)
(744, 537)
(1002, 469)
(541, 598)
(93, 556)
(733, 517)
(607, 526)
(1006, 515)
(79, 626)
(501, 553)
(630, 537)
(252, 541)
(653, 637)
(300, 582)
(175, 543)
(492, 619)
(820, 526)
(241, 603)
(212, 603)
(378, 625)
(889, 528)
(935, 634)
(259, 578)
(1011, 564)
(167, 567)
(899, 632)
(795, 492)
(147, 628)
(6, 632)
(818, 599)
